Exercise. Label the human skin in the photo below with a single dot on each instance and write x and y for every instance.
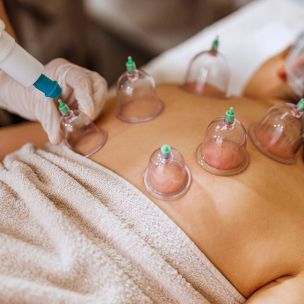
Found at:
(224, 156)
(249, 225)
(168, 179)
(283, 147)
(270, 81)
(206, 90)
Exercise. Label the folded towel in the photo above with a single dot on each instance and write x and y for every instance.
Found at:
(71, 231)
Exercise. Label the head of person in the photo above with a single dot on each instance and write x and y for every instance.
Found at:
(281, 77)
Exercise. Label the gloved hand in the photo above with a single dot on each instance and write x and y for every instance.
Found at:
(79, 85)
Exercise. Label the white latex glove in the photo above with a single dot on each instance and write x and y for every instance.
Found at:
(78, 84)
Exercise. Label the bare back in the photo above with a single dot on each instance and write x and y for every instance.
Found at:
(249, 225)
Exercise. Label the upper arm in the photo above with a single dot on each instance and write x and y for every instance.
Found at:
(286, 290)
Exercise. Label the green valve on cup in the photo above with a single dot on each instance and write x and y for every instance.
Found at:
(300, 105)
(165, 151)
(215, 44)
(229, 118)
(63, 108)
(130, 65)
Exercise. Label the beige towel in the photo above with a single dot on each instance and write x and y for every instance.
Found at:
(72, 231)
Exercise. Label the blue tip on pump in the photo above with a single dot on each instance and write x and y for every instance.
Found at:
(49, 87)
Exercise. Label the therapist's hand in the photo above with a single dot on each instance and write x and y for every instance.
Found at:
(80, 87)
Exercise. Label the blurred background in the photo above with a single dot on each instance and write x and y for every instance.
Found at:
(100, 34)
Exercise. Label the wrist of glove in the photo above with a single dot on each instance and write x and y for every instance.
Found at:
(78, 84)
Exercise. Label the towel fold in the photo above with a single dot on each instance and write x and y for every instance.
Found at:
(72, 231)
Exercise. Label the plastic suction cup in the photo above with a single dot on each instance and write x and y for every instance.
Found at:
(208, 73)
(80, 133)
(223, 151)
(279, 134)
(137, 99)
(167, 177)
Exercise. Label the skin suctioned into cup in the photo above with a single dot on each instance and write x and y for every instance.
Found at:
(205, 89)
(169, 178)
(223, 155)
(279, 144)
(279, 134)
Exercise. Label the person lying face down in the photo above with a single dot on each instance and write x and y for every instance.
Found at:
(250, 226)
